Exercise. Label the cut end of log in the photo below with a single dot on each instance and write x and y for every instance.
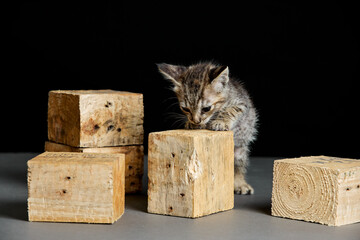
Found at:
(317, 189)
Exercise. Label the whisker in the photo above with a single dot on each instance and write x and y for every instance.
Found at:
(172, 105)
(178, 123)
(175, 115)
(169, 98)
(171, 88)
(177, 119)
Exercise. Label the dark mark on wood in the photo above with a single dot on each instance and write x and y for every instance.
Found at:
(108, 104)
(110, 128)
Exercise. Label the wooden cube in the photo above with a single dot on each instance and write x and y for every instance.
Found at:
(134, 161)
(191, 172)
(318, 189)
(76, 187)
(95, 118)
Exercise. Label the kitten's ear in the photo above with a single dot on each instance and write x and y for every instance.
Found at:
(171, 72)
(219, 77)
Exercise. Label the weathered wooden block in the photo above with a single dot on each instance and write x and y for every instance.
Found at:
(318, 189)
(95, 118)
(134, 160)
(76, 187)
(191, 172)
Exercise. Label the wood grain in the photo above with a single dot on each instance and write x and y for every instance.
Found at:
(95, 118)
(76, 187)
(318, 189)
(191, 172)
(134, 161)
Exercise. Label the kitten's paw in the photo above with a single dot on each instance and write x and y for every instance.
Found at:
(219, 126)
(244, 189)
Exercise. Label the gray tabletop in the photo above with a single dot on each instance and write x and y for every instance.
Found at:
(250, 218)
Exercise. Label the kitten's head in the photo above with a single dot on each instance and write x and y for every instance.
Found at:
(201, 89)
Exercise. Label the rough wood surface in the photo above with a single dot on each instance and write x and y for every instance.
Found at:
(95, 118)
(134, 161)
(76, 187)
(318, 189)
(191, 172)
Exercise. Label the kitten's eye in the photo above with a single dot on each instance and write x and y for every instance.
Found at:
(206, 109)
(185, 109)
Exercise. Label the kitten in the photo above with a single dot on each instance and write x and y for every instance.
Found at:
(212, 100)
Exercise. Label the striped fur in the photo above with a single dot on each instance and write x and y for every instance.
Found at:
(212, 100)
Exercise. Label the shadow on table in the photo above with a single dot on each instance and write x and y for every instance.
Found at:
(253, 203)
(14, 210)
(137, 202)
(264, 208)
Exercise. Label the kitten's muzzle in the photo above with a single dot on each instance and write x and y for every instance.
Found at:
(195, 121)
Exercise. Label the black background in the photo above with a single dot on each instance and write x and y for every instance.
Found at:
(298, 60)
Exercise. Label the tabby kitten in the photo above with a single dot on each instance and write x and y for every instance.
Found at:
(212, 100)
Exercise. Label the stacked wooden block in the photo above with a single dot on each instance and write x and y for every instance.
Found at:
(94, 155)
(99, 121)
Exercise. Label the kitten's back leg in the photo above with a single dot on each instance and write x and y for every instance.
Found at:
(241, 162)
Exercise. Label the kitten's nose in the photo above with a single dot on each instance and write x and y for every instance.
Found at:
(196, 120)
